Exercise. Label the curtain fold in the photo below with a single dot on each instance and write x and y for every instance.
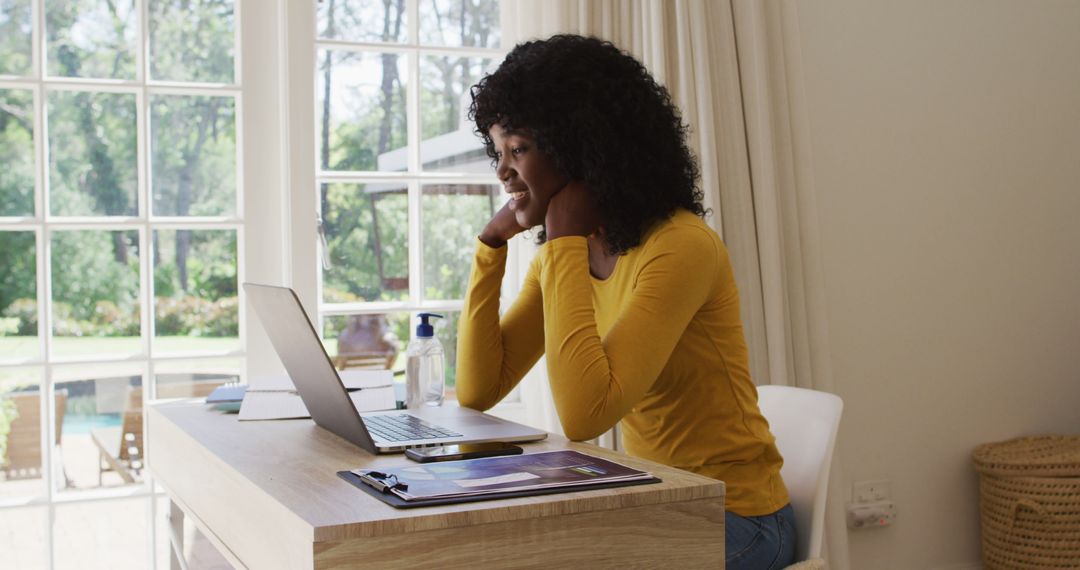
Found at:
(734, 69)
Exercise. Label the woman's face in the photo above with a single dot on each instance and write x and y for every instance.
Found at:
(527, 173)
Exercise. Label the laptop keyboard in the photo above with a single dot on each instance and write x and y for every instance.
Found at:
(404, 427)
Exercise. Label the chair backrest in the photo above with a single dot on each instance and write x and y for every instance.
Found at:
(805, 423)
(371, 361)
(24, 440)
(132, 424)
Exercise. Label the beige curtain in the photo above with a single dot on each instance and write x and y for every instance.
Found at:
(734, 68)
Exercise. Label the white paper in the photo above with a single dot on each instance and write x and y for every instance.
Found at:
(374, 399)
(352, 379)
(287, 404)
(272, 405)
(496, 480)
(267, 383)
(359, 379)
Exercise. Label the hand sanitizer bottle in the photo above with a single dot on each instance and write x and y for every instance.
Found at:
(425, 383)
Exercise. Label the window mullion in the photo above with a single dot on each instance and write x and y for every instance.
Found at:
(416, 255)
(412, 8)
(144, 207)
(238, 44)
(146, 300)
(142, 51)
(412, 105)
(43, 273)
(365, 177)
(407, 47)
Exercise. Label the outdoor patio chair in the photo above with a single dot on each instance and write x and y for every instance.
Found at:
(373, 361)
(366, 343)
(23, 459)
(120, 448)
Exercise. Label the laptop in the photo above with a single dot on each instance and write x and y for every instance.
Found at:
(317, 381)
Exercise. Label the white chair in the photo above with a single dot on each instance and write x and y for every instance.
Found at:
(805, 423)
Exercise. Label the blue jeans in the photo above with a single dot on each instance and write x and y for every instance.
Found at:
(760, 543)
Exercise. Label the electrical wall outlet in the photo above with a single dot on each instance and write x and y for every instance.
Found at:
(871, 515)
(871, 491)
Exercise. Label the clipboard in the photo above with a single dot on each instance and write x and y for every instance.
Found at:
(389, 487)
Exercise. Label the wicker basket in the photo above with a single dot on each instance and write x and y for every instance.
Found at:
(1030, 503)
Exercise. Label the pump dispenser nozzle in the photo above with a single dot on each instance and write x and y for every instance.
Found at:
(425, 329)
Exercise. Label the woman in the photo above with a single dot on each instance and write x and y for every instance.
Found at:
(632, 296)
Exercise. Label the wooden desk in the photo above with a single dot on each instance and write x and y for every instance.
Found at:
(266, 494)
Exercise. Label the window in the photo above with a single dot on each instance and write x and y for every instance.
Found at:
(402, 184)
(121, 233)
(156, 154)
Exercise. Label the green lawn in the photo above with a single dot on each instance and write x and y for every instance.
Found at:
(21, 347)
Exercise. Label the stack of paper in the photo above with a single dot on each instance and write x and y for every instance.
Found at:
(275, 397)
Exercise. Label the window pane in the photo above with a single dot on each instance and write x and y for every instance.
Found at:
(95, 291)
(91, 39)
(361, 112)
(448, 142)
(367, 341)
(363, 20)
(453, 215)
(194, 378)
(20, 434)
(192, 40)
(194, 155)
(472, 23)
(16, 152)
(18, 297)
(92, 163)
(102, 534)
(22, 537)
(101, 437)
(195, 303)
(367, 242)
(15, 37)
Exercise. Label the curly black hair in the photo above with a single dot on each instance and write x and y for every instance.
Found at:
(604, 120)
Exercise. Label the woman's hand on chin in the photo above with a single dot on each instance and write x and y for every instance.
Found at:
(502, 226)
(572, 211)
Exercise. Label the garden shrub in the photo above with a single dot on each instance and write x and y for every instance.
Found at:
(26, 311)
(111, 320)
(189, 315)
(9, 326)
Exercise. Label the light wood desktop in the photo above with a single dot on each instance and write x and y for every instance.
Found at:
(266, 494)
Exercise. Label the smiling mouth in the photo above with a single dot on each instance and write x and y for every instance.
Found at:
(517, 195)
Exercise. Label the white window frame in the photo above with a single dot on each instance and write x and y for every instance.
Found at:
(304, 175)
(258, 91)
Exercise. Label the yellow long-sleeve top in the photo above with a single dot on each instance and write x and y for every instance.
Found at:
(658, 344)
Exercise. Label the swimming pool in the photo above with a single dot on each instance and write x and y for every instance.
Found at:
(83, 424)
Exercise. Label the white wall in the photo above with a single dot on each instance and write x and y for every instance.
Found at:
(946, 151)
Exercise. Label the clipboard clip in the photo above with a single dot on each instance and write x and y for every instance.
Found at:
(382, 482)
